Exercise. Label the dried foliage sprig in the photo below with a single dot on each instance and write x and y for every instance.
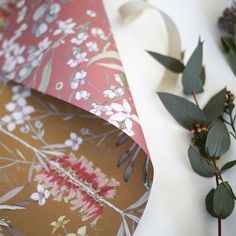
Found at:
(210, 126)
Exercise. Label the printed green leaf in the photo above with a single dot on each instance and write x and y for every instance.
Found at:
(199, 165)
(105, 55)
(11, 194)
(218, 139)
(128, 171)
(228, 165)
(223, 203)
(112, 66)
(170, 63)
(185, 112)
(209, 203)
(123, 158)
(191, 80)
(46, 76)
(215, 106)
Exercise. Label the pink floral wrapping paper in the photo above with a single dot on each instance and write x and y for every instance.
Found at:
(60, 164)
(66, 49)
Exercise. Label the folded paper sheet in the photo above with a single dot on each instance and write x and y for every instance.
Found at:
(72, 161)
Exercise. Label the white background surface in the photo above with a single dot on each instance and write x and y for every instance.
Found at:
(176, 206)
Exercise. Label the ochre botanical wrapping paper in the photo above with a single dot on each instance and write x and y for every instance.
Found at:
(73, 163)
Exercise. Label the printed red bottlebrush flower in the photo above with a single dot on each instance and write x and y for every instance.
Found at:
(78, 182)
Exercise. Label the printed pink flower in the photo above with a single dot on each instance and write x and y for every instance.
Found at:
(78, 182)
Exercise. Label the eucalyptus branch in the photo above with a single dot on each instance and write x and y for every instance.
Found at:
(208, 126)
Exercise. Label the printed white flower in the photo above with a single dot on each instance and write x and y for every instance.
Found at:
(3, 223)
(79, 58)
(74, 141)
(123, 117)
(20, 92)
(98, 109)
(113, 92)
(41, 195)
(21, 14)
(53, 12)
(39, 12)
(25, 71)
(84, 95)
(25, 129)
(98, 32)
(40, 29)
(18, 32)
(80, 38)
(65, 27)
(36, 54)
(8, 46)
(20, 3)
(91, 13)
(11, 75)
(78, 79)
(20, 112)
(38, 124)
(92, 46)
(14, 57)
(84, 131)
(80, 232)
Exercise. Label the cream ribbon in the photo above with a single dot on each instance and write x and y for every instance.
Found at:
(131, 10)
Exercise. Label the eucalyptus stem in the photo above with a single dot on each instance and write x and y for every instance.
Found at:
(217, 176)
(195, 99)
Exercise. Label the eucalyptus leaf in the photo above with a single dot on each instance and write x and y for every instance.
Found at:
(218, 139)
(199, 165)
(215, 106)
(223, 203)
(209, 203)
(230, 190)
(232, 60)
(185, 112)
(228, 165)
(203, 76)
(170, 63)
(227, 43)
(191, 80)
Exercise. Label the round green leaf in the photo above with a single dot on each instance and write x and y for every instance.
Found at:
(199, 165)
(209, 203)
(215, 107)
(223, 203)
(218, 139)
(185, 112)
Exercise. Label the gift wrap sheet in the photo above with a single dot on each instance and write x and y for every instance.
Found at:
(73, 159)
